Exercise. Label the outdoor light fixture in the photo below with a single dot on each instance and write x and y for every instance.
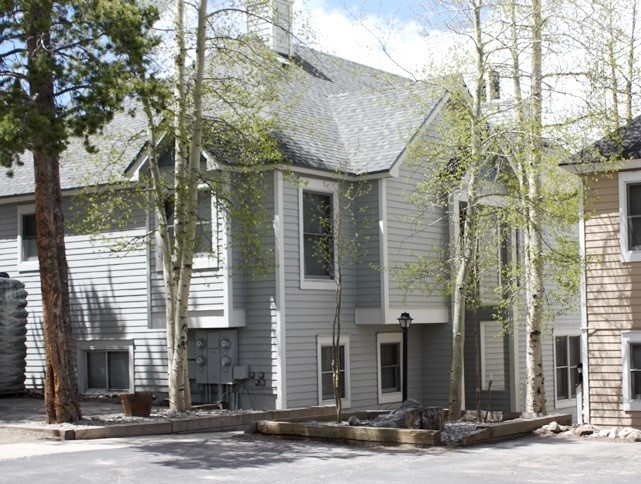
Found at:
(404, 321)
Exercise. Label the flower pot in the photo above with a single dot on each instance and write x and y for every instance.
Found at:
(137, 404)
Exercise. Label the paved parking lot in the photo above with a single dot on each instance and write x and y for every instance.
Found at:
(235, 457)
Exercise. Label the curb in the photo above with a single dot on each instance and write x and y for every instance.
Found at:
(169, 425)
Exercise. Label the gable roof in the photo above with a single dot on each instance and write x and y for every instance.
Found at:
(337, 116)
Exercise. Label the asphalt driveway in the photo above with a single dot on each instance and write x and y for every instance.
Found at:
(235, 457)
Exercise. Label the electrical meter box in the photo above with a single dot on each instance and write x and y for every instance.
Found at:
(212, 355)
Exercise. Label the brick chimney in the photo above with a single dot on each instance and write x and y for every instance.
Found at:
(271, 20)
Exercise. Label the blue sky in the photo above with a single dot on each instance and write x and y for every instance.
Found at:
(402, 10)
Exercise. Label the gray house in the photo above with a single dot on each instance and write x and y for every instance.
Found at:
(265, 343)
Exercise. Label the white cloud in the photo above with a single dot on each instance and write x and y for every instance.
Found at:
(393, 45)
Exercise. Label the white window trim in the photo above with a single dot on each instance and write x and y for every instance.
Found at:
(324, 341)
(626, 178)
(320, 186)
(102, 345)
(25, 265)
(628, 338)
(202, 260)
(563, 402)
(484, 380)
(389, 338)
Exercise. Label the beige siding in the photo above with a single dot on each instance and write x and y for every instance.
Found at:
(613, 297)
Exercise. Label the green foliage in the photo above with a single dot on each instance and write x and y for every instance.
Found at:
(95, 46)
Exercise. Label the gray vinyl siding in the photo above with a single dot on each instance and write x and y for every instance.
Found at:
(412, 233)
(257, 340)
(368, 269)
(108, 297)
(436, 347)
(496, 399)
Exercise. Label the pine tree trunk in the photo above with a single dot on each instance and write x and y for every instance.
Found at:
(61, 387)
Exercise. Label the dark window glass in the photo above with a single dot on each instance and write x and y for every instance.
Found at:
(108, 370)
(634, 216)
(29, 242)
(635, 370)
(318, 236)
(327, 387)
(567, 358)
(390, 367)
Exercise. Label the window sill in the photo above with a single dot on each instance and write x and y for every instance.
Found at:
(318, 284)
(346, 403)
(632, 406)
(395, 397)
(28, 266)
(565, 403)
(630, 256)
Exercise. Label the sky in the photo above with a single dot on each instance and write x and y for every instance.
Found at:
(355, 30)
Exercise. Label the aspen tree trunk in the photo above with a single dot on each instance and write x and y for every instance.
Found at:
(464, 242)
(188, 149)
(535, 380)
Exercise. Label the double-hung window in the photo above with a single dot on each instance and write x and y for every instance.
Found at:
(567, 355)
(205, 234)
(390, 368)
(317, 214)
(27, 243)
(325, 372)
(630, 215)
(631, 352)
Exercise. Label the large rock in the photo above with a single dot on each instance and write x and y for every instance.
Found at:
(411, 415)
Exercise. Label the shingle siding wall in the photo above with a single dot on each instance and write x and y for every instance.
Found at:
(613, 304)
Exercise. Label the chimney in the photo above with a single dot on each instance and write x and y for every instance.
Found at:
(271, 20)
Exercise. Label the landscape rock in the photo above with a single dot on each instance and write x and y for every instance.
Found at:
(554, 427)
(354, 421)
(634, 436)
(583, 430)
(624, 432)
(412, 415)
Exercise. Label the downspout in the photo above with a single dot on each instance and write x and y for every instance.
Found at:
(279, 303)
(583, 414)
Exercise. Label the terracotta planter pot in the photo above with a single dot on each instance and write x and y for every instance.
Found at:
(137, 404)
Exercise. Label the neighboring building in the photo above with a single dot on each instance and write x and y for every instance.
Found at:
(610, 172)
(265, 343)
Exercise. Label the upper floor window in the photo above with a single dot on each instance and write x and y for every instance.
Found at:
(630, 215)
(317, 201)
(205, 242)
(27, 242)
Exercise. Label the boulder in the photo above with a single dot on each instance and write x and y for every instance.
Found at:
(412, 415)
(624, 432)
(634, 436)
(554, 427)
(583, 430)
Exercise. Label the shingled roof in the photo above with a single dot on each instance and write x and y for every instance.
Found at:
(622, 144)
(344, 116)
